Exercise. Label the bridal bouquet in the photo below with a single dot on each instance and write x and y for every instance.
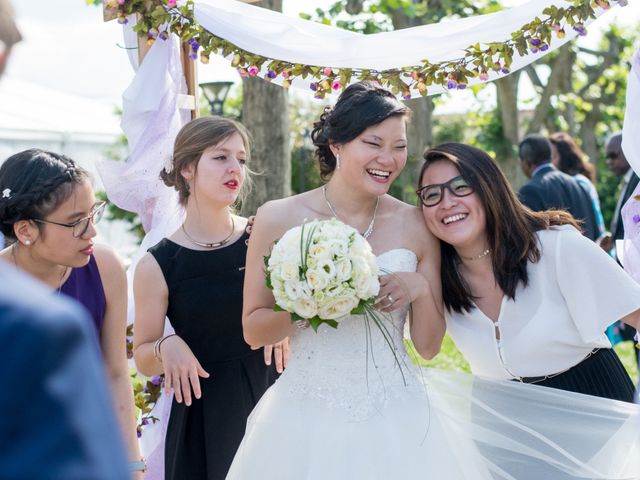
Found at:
(321, 272)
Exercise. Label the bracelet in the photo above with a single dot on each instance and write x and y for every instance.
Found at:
(159, 342)
(156, 350)
(138, 466)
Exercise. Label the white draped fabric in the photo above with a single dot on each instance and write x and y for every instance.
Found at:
(274, 35)
(151, 120)
(631, 149)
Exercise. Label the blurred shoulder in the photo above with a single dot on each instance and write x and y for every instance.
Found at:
(108, 260)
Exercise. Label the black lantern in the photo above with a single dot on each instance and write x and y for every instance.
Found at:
(216, 93)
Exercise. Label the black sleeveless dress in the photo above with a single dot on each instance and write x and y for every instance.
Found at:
(205, 310)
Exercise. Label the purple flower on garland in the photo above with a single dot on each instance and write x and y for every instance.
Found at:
(533, 50)
(153, 33)
(285, 74)
(121, 2)
(253, 71)
(484, 77)
(535, 42)
(191, 40)
(272, 74)
(193, 56)
(505, 70)
(406, 96)
(452, 84)
(195, 46)
(122, 20)
(636, 219)
(544, 47)
(313, 87)
(156, 380)
(163, 35)
(336, 85)
(461, 86)
(145, 421)
(138, 432)
(580, 29)
(171, 3)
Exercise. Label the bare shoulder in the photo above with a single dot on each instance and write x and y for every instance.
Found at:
(277, 216)
(147, 268)
(415, 233)
(109, 263)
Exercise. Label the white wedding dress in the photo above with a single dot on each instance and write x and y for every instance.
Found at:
(350, 407)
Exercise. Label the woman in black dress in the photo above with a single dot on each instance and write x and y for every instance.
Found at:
(195, 279)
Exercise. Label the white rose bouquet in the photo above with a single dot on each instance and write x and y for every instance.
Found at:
(321, 272)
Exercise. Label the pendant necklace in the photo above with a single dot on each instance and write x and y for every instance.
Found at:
(212, 244)
(367, 233)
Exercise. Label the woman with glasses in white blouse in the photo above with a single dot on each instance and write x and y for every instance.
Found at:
(527, 297)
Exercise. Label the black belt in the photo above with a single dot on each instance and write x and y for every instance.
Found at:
(547, 377)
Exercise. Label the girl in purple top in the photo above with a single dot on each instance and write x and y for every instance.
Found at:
(48, 208)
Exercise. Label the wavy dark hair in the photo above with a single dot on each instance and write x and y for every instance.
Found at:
(359, 107)
(37, 182)
(510, 226)
(572, 159)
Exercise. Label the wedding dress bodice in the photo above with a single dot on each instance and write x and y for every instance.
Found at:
(354, 367)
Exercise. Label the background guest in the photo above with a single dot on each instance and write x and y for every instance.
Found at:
(549, 188)
(49, 209)
(569, 158)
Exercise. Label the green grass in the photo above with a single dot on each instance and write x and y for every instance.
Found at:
(450, 358)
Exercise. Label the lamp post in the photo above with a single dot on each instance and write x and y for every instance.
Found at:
(216, 93)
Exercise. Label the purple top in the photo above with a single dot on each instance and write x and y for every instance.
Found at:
(85, 285)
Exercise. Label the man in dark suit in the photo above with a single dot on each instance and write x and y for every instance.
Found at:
(550, 188)
(56, 419)
(619, 165)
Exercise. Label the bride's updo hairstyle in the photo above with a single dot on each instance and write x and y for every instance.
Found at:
(34, 183)
(359, 107)
(192, 140)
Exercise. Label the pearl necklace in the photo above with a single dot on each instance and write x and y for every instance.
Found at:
(212, 244)
(477, 257)
(367, 233)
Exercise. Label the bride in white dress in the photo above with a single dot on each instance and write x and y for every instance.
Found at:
(343, 408)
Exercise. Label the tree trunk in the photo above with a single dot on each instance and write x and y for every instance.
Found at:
(265, 113)
(506, 152)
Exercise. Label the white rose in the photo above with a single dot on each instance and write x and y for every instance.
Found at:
(317, 279)
(295, 290)
(335, 308)
(289, 271)
(343, 270)
(305, 307)
(319, 251)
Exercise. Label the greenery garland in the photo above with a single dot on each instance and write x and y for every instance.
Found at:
(159, 18)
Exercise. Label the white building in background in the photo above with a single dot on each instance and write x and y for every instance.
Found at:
(34, 116)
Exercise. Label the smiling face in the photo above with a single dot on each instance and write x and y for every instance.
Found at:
(375, 158)
(459, 221)
(220, 172)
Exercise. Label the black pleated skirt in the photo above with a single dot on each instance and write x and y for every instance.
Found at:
(601, 374)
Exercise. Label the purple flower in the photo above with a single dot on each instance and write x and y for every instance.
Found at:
(452, 84)
(462, 86)
(533, 50)
(505, 70)
(163, 35)
(623, 3)
(253, 71)
(535, 42)
(544, 47)
(139, 433)
(636, 219)
(336, 85)
(145, 421)
(156, 380)
(193, 56)
(407, 96)
(122, 20)
(191, 40)
(272, 74)
(195, 46)
(313, 87)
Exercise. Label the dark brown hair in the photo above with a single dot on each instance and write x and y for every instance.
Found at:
(510, 226)
(572, 159)
(359, 107)
(193, 139)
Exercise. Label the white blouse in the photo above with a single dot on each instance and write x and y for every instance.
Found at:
(575, 292)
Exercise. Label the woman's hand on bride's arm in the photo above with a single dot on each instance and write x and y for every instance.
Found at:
(182, 370)
(398, 289)
(280, 354)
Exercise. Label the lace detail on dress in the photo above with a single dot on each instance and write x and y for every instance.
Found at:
(353, 367)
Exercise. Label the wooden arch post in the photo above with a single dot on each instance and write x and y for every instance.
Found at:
(189, 66)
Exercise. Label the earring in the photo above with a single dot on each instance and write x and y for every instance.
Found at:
(27, 242)
(338, 161)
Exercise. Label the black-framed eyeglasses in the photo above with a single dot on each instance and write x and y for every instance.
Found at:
(81, 226)
(431, 195)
